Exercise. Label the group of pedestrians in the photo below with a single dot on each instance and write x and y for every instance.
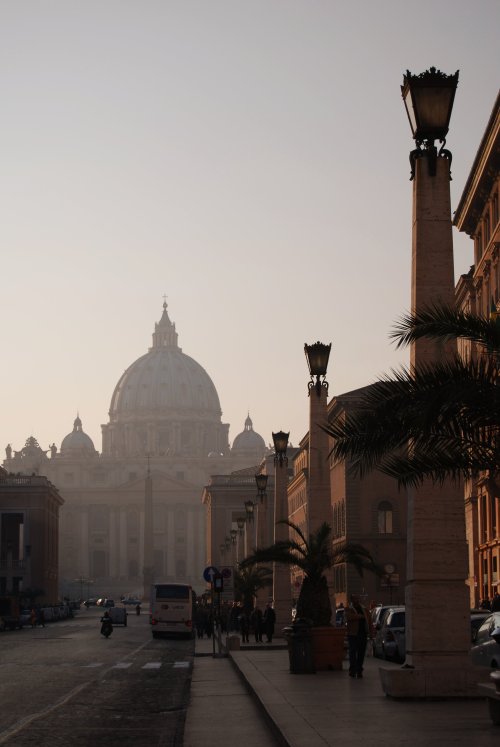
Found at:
(493, 605)
(238, 619)
(257, 622)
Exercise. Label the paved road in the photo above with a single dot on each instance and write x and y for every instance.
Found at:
(66, 685)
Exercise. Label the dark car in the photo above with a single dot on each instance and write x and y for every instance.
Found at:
(486, 651)
(477, 618)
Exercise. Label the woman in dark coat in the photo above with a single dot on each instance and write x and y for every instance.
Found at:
(269, 621)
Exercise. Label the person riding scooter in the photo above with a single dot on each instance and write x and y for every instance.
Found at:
(106, 625)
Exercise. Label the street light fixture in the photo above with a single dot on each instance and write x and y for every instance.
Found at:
(261, 482)
(249, 508)
(234, 534)
(317, 356)
(280, 441)
(428, 99)
(240, 521)
(227, 542)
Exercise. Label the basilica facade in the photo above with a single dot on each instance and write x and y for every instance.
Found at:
(165, 420)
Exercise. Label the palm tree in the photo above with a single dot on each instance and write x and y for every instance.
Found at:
(439, 421)
(248, 581)
(313, 556)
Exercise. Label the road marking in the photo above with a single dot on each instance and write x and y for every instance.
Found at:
(92, 664)
(122, 665)
(152, 665)
(181, 664)
(5, 735)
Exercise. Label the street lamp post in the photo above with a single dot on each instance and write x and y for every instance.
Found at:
(261, 479)
(233, 534)
(319, 501)
(240, 523)
(250, 526)
(319, 506)
(436, 665)
(261, 482)
(282, 594)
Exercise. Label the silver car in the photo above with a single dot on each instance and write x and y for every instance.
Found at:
(486, 651)
(391, 637)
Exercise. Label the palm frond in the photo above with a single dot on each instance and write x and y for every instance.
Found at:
(446, 322)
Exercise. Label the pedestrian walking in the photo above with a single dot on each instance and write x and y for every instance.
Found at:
(41, 618)
(358, 630)
(33, 618)
(256, 623)
(269, 620)
(244, 625)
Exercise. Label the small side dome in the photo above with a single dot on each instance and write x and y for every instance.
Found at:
(248, 441)
(77, 442)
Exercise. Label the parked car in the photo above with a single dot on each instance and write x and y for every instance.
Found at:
(108, 603)
(378, 614)
(391, 637)
(131, 600)
(486, 651)
(477, 618)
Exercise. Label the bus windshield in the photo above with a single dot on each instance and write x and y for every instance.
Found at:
(172, 591)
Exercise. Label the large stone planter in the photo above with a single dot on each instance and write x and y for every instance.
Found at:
(328, 647)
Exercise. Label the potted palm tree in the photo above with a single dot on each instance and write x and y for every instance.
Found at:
(314, 556)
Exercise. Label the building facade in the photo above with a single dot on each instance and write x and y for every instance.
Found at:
(29, 528)
(164, 418)
(478, 291)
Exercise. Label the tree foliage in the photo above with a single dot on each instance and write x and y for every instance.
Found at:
(313, 556)
(439, 421)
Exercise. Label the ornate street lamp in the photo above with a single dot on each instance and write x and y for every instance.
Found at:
(234, 534)
(280, 441)
(227, 542)
(428, 100)
(261, 482)
(317, 356)
(249, 508)
(240, 521)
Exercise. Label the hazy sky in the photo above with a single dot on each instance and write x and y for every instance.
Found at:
(249, 159)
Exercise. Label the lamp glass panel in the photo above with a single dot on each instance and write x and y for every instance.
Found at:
(433, 105)
(261, 481)
(410, 110)
(317, 358)
(280, 442)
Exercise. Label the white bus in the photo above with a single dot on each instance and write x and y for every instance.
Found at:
(171, 609)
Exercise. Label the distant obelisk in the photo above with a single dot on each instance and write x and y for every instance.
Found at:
(148, 570)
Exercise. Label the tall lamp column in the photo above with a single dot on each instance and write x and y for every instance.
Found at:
(282, 593)
(436, 665)
(319, 506)
(262, 533)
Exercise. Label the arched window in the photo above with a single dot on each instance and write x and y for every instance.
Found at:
(384, 517)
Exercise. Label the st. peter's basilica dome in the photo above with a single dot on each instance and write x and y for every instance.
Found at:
(165, 403)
